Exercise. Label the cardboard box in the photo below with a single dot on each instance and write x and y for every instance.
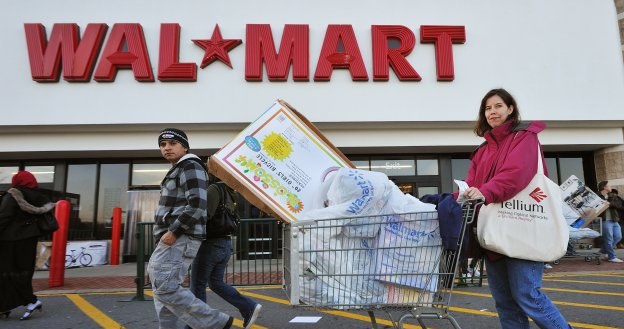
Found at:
(587, 204)
(279, 162)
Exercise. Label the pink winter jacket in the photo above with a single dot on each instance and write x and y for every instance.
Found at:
(505, 164)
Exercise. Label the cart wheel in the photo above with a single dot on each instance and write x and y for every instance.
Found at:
(597, 260)
(588, 259)
(556, 262)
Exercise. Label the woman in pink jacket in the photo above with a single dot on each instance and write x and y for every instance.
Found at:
(500, 168)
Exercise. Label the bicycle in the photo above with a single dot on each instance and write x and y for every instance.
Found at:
(83, 257)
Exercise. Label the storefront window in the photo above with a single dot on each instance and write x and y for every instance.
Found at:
(571, 166)
(81, 181)
(427, 190)
(406, 187)
(394, 167)
(427, 167)
(6, 173)
(361, 164)
(551, 164)
(112, 190)
(459, 170)
(149, 173)
(43, 174)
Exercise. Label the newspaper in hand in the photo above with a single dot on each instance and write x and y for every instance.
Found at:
(462, 188)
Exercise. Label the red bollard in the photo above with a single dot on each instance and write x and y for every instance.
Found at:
(115, 237)
(59, 245)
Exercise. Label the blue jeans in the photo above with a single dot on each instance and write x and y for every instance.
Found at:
(167, 267)
(515, 285)
(208, 269)
(611, 235)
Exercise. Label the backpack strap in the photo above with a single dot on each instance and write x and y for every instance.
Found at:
(222, 196)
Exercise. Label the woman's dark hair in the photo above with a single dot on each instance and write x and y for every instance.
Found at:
(481, 127)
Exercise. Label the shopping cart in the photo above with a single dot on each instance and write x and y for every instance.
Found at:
(393, 263)
(582, 247)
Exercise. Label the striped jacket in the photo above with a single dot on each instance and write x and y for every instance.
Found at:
(182, 208)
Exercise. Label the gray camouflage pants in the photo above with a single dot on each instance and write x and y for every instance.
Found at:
(167, 267)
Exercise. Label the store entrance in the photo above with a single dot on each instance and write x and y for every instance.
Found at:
(417, 186)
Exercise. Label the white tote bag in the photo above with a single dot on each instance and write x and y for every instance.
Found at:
(528, 226)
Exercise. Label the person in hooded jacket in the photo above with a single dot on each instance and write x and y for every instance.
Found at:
(20, 208)
(500, 168)
(180, 228)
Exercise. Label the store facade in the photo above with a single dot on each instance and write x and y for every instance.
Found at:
(395, 86)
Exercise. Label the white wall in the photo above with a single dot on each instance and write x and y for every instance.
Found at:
(560, 58)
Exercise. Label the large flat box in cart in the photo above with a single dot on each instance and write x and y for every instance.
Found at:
(279, 162)
(587, 204)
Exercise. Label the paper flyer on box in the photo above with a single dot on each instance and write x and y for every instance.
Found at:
(587, 204)
(282, 161)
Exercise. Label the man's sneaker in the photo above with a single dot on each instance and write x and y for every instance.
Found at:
(615, 260)
(251, 318)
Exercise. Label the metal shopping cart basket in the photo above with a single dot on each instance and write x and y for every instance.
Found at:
(393, 263)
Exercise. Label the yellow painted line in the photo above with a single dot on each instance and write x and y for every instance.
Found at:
(569, 275)
(601, 307)
(585, 292)
(467, 293)
(93, 312)
(237, 322)
(590, 326)
(389, 323)
(583, 305)
(273, 286)
(344, 314)
(472, 311)
(587, 282)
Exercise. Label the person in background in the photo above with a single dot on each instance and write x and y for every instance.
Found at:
(20, 209)
(619, 245)
(209, 266)
(611, 230)
(179, 228)
(571, 217)
(500, 168)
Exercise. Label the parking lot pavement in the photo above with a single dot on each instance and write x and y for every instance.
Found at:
(588, 294)
(588, 300)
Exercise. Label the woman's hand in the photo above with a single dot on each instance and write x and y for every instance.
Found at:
(473, 193)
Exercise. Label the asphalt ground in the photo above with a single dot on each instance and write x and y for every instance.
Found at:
(587, 299)
(589, 294)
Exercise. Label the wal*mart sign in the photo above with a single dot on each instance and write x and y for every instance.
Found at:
(126, 48)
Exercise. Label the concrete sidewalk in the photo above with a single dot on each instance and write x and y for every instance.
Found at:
(104, 278)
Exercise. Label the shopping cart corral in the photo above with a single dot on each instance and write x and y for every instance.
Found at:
(392, 263)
